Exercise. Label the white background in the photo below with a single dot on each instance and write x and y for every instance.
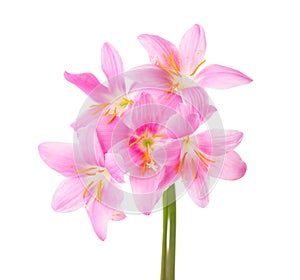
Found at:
(250, 229)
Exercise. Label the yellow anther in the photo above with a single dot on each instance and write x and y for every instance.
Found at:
(98, 191)
(174, 63)
(197, 67)
(147, 132)
(194, 168)
(125, 102)
(106, 112)
(87, 188)
(103, 105)
(159, 136)
(136, 141)
(199, 154)
(113, 116)
(181, 163)
(85, 170)
(90, 174)
(167, 69)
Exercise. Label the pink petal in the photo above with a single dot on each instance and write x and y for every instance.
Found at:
(192, 49)
(187, 173)
(85, 119)
(231, 167)
(101, 94)
(110, 133)
(85, 81)
(210, 111)
(99, 216)
(218, 142)
(88, 149)
(197, 98)
(115, 165)
(112, 66)
(160, 50)
(179, 126)
(111, 194)
(169, 177)
(148, 76)
(172, 150)
(198, 191)
(68, 196)
(145, 192)
(124, 159)
(170, 100)
(221, 77)
(150, 113)
(58, 156)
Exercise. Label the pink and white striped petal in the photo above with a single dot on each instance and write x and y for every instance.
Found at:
(87, 82)
(221, 77)
(192, 49)
(68, 196)
(230, 167)
(198, 192)
(59, 156)
(100, 215)
(161, 51)
(218, 142)
(112, 66)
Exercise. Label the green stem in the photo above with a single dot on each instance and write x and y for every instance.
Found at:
(169, 230)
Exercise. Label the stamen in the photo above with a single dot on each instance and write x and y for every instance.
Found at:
(96, 112)
(201, 155)
(103, 105)
(124, 102)
(98, 192)
(159, 135)
(146, 132)
(174, 63)
(136, 141)
(106, 112)
(146, 156)
(114, 114)
(151, 166)
(194, 169)
(128, 101)
(181, 163)
(90, 174)
(167, 69)
(85, 170)
(197, 67)
(202, 159)
(87, 188)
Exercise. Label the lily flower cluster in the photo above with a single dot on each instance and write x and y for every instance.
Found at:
(145, 129)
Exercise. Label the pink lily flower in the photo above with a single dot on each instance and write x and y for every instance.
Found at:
(209, 154)
(88, 184)
(181, 65)
(144, 145)
(109, 100)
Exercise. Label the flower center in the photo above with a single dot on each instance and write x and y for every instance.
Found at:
(94, 186)
(148, 142)
(112, 109)
(178, 80)
(146, 147)
(192, 158)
